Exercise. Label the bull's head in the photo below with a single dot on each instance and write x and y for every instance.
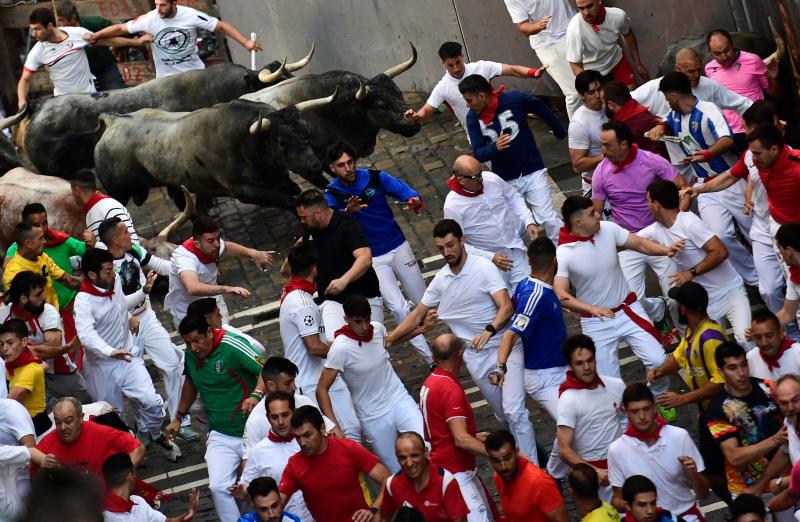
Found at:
(383, 101)
(278, 71)
(160, 245)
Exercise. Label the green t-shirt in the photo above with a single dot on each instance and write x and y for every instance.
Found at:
(60, 255)
(99, 56)
(224, 379)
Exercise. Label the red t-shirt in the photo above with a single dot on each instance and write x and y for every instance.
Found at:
(781, 182)
(331, 483)
(94, 445)
(530, 495)
(439, 501)
(441, 399)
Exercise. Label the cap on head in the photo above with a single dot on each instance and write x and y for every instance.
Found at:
(692, 295)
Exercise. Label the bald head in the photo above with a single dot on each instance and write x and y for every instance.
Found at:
(466, 166)
(688, 62)
(446, 347)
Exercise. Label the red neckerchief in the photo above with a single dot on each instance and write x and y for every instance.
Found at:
(456, 187)
(20, 312)
(216, 339)
(348, 332)
(26, 357)
(655, 433)
(488, 113)
(274, 437)
(116, 504)
(89, 288)
(600, 20)
(203, 258)
(573, 383)
(774, 362)
(629, 517)
(297, 283)
(54, 238)
(97, 196)
(628, 159)
(629, 110)
(794, 274)
(565, 237)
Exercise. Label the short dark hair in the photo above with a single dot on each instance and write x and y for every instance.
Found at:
(788, 235)
(32, 208)
(676, 82)
(23, 231)
(616, 92)
(204, 225)
(576, 342)
(450, 50)
(93, 260)
(336, 150)
(16, 327)
(276, 365)
(664, 193)
(762, 112)
(201, 307)
(583, 481)
(42, 15)
(636, 484)
(108, 229)
(621, 131)
(412, 435)
(311, 198)
(279, 396)
(193, 323)
(24, 283)
(302, 258)
(475, 84)
(541, 253)
(720, 32)
(357, 306)
(746, 504)
(727, 350)
(56, 492)
(499, 438)
(307, 414)
(769, 135)
(447, 226)
(571, 206)
(83, 179)
(449, 351)
(116, 469)
(637, 391)
(585, 79)
(261, 487)
(66, 9)
(764, 316)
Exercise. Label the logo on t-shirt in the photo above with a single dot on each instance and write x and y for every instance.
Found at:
(308, 320)
(521, 322)
(218, 367)
(173, 40)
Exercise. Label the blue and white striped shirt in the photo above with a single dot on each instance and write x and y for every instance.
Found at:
(699, 130)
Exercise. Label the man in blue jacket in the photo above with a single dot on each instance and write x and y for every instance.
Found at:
(363, 193)
(497, 124)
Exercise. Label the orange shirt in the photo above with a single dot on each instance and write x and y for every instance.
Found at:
(530, 495)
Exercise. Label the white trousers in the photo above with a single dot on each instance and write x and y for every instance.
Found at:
(633, 265)
(771, 281)
(558, 68)
(165, 355)
(520, 268)
(535, 189)
(112, 380)
(773, 230)
(333, 315)
(381, 433)
(474, 496)
(720, 210)
(607, 334)
(342, 407)
(542, 386)
(401, 265)
(223, 457)
(735, 307)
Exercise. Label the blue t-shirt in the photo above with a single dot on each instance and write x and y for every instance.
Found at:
(253, 517)
(522, 156)
(538, 320)
(382, 231)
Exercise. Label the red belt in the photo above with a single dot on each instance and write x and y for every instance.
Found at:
(694, 510)
(602, 463)
(640, 321)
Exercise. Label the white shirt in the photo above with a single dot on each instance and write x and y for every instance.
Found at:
(3, 383)
(268, 459)
(593, 268)
(595, 415)
(255, 343)
(178, 299)
(690, 228)
(14, 458)
(140, 512)
(464, 300)
(130, 271)
(584, 132)
(102, 323)
(794, 439)
(49, 320)
(759, 228)
(65, 61)
(174, 47)
(107, 208)
(648, 95)
(446, 91)
(367, 371)
(598, 51)
(491, 221)
(300, 317)
(629, 456)
(789, 363)
(533, 11)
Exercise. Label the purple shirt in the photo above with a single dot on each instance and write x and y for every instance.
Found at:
(626, 191)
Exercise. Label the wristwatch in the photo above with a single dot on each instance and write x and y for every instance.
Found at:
(502, 366)
(491, 329)
(693, 271)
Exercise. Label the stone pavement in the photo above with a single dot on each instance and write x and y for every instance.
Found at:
(424, 162)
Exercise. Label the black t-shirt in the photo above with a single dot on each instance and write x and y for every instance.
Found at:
(334, 246)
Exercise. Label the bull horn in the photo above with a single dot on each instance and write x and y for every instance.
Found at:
(265, 76)
(362, 91)
(261, 125)
(316, 103)
(16, 118)
(296, 66)
(182, 218)
(391, 72)
(779, 43)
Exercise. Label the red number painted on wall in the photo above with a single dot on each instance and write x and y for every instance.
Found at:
(115, 9)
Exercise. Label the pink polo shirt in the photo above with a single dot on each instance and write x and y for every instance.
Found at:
(746, 76)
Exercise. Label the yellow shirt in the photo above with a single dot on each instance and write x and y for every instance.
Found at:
(695, 355)
(43, 265)
(31, 378)
(605, 513)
